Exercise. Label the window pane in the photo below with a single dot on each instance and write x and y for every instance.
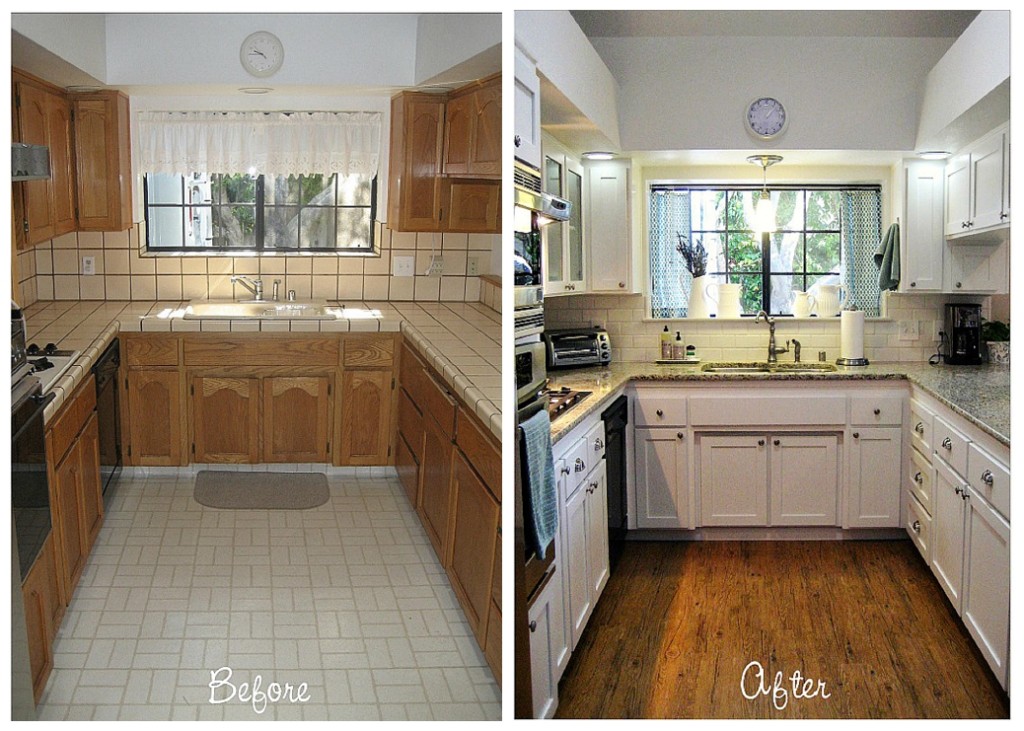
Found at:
(317, 228)
(354, 228)
(823, 252)
(198, 226)
(750, 291)
(162, 188)
(786, 252)
(281, 227)
(789, 209)
(281, 190)
(237, 188)
(234, 226)
(783, 286)
(354, 190)
(707, 210)
(165, 227)
(823, 208)
(744, 253)
(714, 245)
(741, 210)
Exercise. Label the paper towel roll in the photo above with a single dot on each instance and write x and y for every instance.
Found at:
(851, 337)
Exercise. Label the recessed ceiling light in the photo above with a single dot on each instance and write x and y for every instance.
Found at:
(933, 155)
(255, 90)
(597, 155)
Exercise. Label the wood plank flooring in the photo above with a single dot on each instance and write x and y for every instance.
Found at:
(679, 622)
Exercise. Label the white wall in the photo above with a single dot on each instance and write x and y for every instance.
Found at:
(840, 93)
(447, 39)
(81, 43)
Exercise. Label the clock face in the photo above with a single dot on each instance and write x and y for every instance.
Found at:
(766, 117)
(262, 54)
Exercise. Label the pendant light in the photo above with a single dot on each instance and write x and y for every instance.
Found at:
(764, 213)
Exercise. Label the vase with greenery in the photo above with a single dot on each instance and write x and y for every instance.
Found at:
(996, 336)
(695, 257)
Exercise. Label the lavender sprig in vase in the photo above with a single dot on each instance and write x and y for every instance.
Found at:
(695, 257)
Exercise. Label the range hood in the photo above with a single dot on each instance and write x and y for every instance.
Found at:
(528, 195)
(29, 162)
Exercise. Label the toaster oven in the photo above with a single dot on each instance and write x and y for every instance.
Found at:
(577, 348)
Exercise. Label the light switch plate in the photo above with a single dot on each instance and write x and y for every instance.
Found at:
(403, 266)
(88, 266)
(909, 330)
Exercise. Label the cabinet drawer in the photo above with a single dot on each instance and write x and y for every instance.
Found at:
(257, 350)
(481, 453)
(922, 477)
(950, 445)
(659, 408)
(72, 418)
(412, 374)
(410, 424)
(741, 409)
(436, 401)
(596, 442)
(876, 409)
(579, 463)
(919, 526)
(151, 350)
(369, 351)
(921, 427)
(989, 477)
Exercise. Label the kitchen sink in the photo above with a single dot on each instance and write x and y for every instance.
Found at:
(793, 368)
(233, 310)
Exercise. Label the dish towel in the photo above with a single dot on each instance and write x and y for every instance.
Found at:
(540, 502)
(887, 259)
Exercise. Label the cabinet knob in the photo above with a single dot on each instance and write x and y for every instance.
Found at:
(565, 470)
(777, 442)
(877, 412)
(856, 435)
(518, 141)
(919, 427)
(963, 224)
(533, 626)
(679, 435)
(959, 285)
(916, 526)
(913, 284)
(987, 477)
(958, 490)
(760, 442)
(947, 444)
(659, 412)
(622, 285)
(1003, 216)
(918, 478)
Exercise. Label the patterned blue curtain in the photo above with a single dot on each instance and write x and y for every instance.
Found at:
(862, 234)
(670, 281)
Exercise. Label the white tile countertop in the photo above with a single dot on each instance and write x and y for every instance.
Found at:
(461, 340)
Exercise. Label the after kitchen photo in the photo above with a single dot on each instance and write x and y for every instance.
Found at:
(762, 304)
(256, 352)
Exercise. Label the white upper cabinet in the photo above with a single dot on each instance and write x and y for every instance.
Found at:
(608, 228)
(527, 114)
(564, 255)
(978, 186)
(922, 229)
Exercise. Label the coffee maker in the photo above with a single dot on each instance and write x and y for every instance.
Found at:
(962, 344)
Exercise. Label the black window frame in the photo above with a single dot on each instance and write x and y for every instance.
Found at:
(259, 233)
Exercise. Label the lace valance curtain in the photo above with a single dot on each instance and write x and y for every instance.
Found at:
(274, 143)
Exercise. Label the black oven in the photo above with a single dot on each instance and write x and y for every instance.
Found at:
(30, 489)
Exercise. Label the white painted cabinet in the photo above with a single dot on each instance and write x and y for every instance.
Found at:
(977, 186)
(978, 268)
(544, 617)
(564, 255)
(608, 229)
(948, 532)
(560, 635)
(598, 567)
(922, 227)
(661, 461)
(804, 479)
(527, 111)
(986, 593)
(874, 475)
(587, 562)
(733, 480)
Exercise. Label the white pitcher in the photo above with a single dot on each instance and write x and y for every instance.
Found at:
(830, 303)
(803, 303)
(726, 297)
(698, 307)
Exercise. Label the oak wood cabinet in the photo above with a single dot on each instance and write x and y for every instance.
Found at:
(368, 401)
(435, 485)
(414, 182)
(40, 595)
(103, 161)
(474, 206)
(296, 418)
(154, 398)
(409, 446)
(473, 130)
(225, 419)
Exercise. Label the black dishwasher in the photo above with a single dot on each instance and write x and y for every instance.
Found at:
(108, 417)
(615, 419)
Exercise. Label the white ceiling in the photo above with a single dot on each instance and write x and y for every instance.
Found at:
(766, 23)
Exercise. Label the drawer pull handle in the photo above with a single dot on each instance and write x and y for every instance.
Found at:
(919, 427)
(918, 478)
(533, 626)
(679, 435)
(987, 477)
(580, 464)
(947, 444)
(659, 412)
(877, 412)
(760, 442)
(598, 444)
(856, 435)
(917, 526)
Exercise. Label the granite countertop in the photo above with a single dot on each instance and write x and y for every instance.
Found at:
(981, 394)
(461, 340)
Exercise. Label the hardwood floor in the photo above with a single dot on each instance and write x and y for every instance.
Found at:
(679, 622)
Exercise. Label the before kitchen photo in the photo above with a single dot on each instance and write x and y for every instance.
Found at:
(256, 366)
(761, 317)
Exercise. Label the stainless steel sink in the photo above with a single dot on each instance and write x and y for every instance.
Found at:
(792, 368)
(232, 310)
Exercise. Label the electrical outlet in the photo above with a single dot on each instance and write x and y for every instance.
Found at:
(909, 330)
(88, 265)
(436, 266)
(473, 266)
(403, 266)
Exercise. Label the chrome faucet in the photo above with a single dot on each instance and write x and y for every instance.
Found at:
(255, 286)
(773, 352)
(796, 350)
(277, 291)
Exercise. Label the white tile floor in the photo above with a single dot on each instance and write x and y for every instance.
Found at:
(347, 598)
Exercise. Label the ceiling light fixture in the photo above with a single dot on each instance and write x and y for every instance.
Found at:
(764, 213)
(598, 155)
(255, 90)
(933, 154)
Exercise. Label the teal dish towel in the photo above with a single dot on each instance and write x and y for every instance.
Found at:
(540, 501)
(887, 259)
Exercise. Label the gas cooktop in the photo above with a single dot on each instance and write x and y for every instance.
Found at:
(49, 363)
(562, 400)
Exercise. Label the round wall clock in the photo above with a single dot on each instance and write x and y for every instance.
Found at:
(262, 54)
(766, 118)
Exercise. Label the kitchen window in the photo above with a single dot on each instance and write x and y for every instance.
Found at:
(261, 213)
(824, 235)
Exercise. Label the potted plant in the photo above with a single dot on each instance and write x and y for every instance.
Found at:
(695, 256)
(996, 336)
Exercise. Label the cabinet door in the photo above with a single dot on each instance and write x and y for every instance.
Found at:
(91, 499)
(154, 410)
(225, 419)
(62, 160)
(578, 601)
(474, 206)
(979, 268)
(734, 480)
(598, 568)
(296, 418)
(922, 230)
(474, 529)
(458, 133)
(554, 234)
(661, 491)
(987, 182)
(435, 486)
(34, 105)
(38, 596)
(948, 532)
(805, 479)
(68, 486)
(575, 263)
(485, 152)
(608, 239)
(958, 194)
(366, 399)
(417, 138)
(102, 154)
(541, 617)
(986, 599)
(527, 111)
(875, 469)
(408, 470)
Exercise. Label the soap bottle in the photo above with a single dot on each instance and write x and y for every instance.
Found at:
(666, 344)
(678, 349)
